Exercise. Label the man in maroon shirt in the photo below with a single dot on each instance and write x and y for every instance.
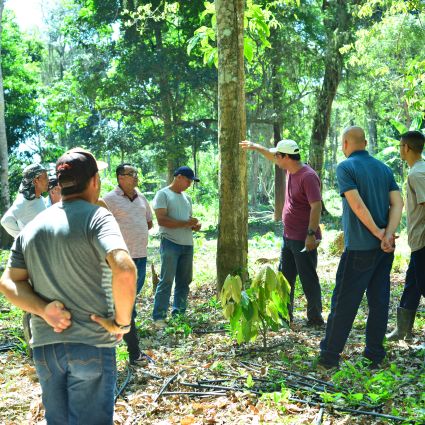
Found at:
(300, 217)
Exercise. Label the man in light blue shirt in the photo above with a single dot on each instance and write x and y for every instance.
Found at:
(173, 210)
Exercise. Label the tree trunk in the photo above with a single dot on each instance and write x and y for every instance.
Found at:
(4, 157)
(372, 119)
(166, 107)
(279, 180)
(337, 26)
(279, 175)
(232, 244)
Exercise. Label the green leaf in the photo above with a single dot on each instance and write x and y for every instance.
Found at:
(247, 308)
(400, 127)
(249, 381)
(249, 46)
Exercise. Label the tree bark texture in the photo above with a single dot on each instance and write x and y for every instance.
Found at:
(232, 244)
(4, 157)
(166, 107)
(337, 21)
(279, 175)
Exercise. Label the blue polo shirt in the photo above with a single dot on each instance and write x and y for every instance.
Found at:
(374, 181)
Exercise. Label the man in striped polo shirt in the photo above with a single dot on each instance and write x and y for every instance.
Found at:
(134, 216)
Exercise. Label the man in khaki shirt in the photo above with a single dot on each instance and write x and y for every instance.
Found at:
(411, 147)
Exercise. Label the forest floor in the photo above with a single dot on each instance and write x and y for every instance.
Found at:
(197, 350)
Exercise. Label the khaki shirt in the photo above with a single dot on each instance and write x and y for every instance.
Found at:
(415, 194)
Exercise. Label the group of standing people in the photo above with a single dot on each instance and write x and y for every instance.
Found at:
(77, 267)
(372, 209)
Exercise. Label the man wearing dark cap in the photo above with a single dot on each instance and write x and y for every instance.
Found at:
(300, 217)
(173, 210)
(54, 192)
(70, 268)
(29, 201)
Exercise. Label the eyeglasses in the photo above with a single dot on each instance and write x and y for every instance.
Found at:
(134, 174)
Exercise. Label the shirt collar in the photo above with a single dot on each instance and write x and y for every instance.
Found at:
(361, 152)
(121, 192)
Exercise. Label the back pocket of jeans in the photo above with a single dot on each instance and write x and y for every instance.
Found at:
(85, 361)
(41, 366)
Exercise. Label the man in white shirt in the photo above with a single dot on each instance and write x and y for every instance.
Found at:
(173, 210)
(29, 201)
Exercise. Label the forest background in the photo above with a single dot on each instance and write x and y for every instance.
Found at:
(145, 82)
(137, 81)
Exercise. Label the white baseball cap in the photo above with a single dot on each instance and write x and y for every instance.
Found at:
(286, 146)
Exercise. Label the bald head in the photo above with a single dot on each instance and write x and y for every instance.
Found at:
(353, 139)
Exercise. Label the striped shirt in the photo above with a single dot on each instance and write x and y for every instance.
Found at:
(133, 217)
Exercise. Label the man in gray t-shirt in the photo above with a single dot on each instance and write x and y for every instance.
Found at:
(71, 270)
(173, 210)
(411, 148)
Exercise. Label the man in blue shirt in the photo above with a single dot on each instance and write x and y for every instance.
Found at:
(372, 207)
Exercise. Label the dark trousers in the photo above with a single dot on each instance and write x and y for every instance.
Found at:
(131, 338)
(359, 272)
(293, 262)
(414, 285)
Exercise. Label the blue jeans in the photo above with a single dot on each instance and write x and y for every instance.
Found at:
(359, 272)
(77, 382)
(293, 262)
(414, 285)
(131, 338)
(176, 265)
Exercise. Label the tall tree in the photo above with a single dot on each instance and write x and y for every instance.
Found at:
(337, 21)
(4, 158)
(232, 244)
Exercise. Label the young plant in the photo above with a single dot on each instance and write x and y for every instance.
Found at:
(263, 306)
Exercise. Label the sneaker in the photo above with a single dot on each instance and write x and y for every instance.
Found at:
(159, 324)
(142, 360)
(315, 323)
(371, 364)
(323, 365)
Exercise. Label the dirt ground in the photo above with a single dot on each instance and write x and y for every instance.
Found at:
(200, 351)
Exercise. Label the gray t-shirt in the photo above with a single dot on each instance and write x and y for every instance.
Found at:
(179, 207)
(415, 190)
(64, 251)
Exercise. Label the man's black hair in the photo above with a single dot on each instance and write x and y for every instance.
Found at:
(414, 139)
(294, 156)
(121, 168)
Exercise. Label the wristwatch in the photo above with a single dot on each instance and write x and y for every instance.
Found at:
(311, 232)
(122, 327)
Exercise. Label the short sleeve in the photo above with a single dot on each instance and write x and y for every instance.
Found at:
(311, 184)
(345, 179)
(148, 209)
(106, 234)
(417, 183)
(160, 200)
(16, 258)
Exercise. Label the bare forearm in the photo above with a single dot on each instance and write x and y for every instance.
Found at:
(315, 211)
(22, 295)
(172, 223)
(394, 215)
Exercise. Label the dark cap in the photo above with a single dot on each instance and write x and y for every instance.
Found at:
(33, 171)
(53, 182)
(187, 172)
(28, 176)
(75, 168)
